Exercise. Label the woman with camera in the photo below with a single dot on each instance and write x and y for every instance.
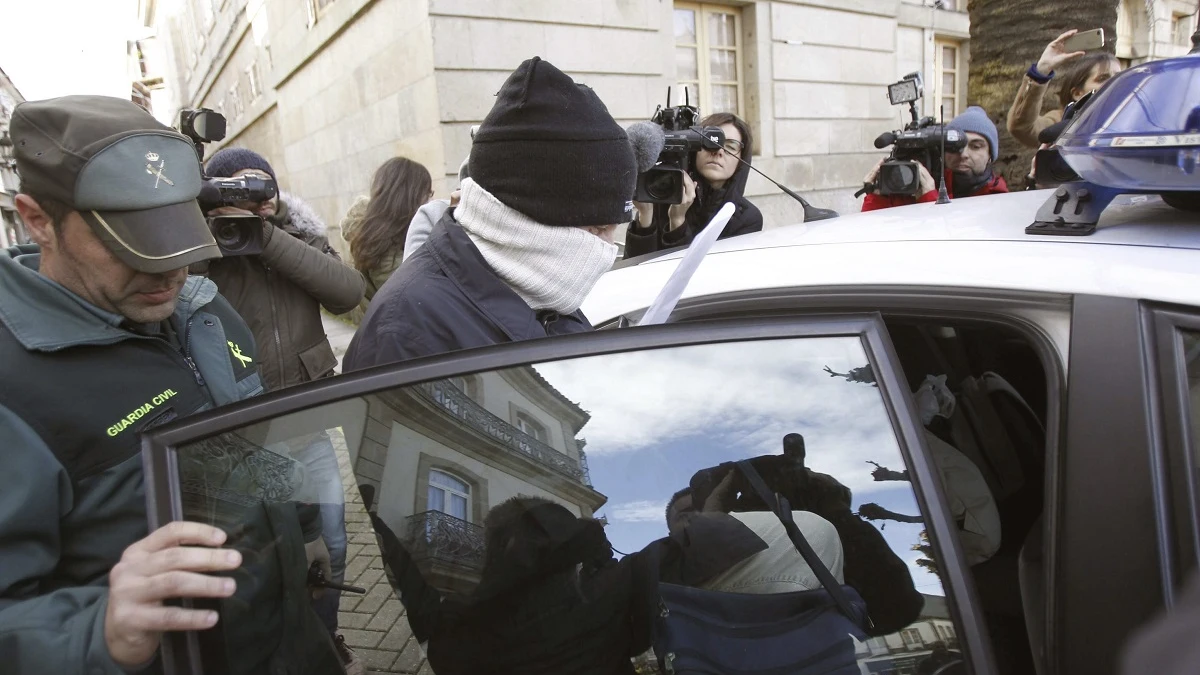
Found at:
(1086, 73)
(717, 177)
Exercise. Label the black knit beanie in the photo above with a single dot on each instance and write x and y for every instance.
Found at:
(228, 161)
(550, 150)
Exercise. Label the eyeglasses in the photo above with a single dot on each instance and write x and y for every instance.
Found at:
(733, 147)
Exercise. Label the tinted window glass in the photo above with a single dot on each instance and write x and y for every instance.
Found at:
(1191, 355)
(1191, 351)
(494, 549)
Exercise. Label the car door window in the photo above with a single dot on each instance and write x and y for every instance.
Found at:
(479, 550)
(1191, 351)
(1175, 363)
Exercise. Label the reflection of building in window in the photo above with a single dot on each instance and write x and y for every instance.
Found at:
(441, 454)
(899, 653)
(531, 426)
(708, 57)
(448, 495)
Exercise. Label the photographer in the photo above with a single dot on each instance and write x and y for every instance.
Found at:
(280, 294)
(870, 566)
(1087, 72)
(968, 173)
(716, 177)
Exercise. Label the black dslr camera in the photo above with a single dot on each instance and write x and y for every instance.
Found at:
(663, 184)
(922, 141)
(235, 235)
(805, 489)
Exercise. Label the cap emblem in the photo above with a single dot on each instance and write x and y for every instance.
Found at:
(157, 171)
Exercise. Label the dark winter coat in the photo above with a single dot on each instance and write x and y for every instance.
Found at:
(746, 219)
(446, 298)
(280, 294)
(555, 602)
(72, 495)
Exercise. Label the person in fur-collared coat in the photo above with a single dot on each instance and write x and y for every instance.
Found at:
(280, 292)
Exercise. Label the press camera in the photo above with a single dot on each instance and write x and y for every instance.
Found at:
(923, 141)
(663, 184)
(235, 235)
(785, 474)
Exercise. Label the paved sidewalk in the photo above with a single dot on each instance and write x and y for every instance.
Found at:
(373, 624)
(340, 333)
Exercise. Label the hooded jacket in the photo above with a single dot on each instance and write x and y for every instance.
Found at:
(78, 387)
(746, 218)
(280, 294)
(446, 298)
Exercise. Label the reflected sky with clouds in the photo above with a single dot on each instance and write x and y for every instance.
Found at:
(659, 416)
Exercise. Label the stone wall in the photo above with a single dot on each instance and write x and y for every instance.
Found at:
(365, 80)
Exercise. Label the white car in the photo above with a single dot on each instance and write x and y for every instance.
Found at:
(988, 436)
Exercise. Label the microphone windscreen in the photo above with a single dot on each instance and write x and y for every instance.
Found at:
(885, 139)
(647, 140)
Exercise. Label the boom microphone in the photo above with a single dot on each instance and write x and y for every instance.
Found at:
(647, 140)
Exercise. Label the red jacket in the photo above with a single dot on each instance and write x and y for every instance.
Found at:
(873, 202)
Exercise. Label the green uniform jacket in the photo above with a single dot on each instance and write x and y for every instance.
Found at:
(76, 390)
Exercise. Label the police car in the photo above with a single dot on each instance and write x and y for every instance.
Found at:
(1008, 386)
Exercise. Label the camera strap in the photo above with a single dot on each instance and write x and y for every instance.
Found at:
(783, 510)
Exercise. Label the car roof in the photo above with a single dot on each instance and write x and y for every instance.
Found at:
(1141, 248)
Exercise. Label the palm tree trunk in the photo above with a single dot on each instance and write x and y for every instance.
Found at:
(1007, 36)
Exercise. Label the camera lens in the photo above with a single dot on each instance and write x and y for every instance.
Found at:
(898, 178)
(231, 237)
(662, 185)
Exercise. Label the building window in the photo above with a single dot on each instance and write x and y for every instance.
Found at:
(531, 426)
(449, 495)
(254, 82)
(911, 636)
(204, 11)
(948, 85)
(708, 57)
(315, 9)
(235, 101)
(1182, 27)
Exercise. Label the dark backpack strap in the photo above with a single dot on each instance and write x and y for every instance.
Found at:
(783, 511)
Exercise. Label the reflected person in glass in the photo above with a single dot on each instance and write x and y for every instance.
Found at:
(870, 566)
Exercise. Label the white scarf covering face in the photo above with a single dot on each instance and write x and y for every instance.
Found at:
(549, 267)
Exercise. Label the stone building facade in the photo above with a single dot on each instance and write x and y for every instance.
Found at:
(12, 231)
(329, 89)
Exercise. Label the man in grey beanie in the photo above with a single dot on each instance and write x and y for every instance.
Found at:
(968, 173)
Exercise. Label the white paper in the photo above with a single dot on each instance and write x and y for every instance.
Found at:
(668, 297)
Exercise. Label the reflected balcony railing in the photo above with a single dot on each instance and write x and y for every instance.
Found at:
(458, 404)
(441, 537)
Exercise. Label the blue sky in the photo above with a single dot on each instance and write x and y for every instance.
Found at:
(659, 416)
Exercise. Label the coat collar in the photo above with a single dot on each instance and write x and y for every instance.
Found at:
(45, 316)
(464, 265)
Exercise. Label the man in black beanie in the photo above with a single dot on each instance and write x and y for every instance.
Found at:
(551, 176)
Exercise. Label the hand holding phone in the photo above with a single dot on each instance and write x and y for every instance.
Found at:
(1084, 41)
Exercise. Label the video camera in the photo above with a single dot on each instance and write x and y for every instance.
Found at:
(922, 141)
(663, 183)
(235, 235)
